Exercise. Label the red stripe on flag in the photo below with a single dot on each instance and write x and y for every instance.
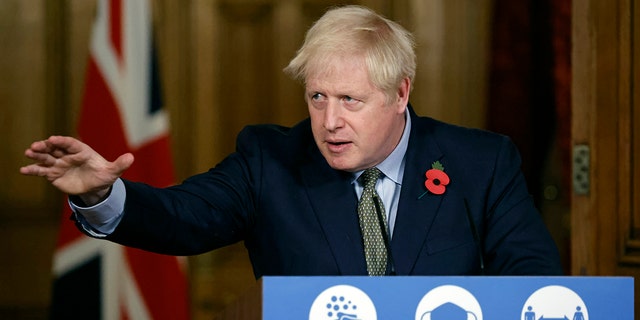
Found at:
(100, 124)
(159, 289)
(150, 166)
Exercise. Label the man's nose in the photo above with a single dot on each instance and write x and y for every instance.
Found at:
(333, 116)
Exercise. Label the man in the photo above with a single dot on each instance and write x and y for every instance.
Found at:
(439, 199)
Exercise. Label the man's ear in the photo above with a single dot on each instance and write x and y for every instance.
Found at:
(403, 93)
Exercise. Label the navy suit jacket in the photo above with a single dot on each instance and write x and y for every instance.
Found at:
(297, 216)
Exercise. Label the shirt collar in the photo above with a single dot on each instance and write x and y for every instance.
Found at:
(393, 166)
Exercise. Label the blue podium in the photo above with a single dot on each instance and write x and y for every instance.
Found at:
(437, 298)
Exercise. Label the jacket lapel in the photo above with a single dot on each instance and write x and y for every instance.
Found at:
(334, 202)
(416, 210)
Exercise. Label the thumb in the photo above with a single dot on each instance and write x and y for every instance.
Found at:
(123, 162)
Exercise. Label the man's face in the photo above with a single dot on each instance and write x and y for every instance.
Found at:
(352, 122)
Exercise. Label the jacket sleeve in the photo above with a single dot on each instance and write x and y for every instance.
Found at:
(516, 242)
(205, 212)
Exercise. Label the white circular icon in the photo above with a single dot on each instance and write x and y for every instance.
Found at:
(342, 302)
(554, 302)
(448, 302)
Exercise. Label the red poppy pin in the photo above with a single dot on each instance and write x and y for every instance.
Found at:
(437, 180)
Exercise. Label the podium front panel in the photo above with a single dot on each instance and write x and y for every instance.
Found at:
(447, 298)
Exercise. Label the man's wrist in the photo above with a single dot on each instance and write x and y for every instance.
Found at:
(103, 216)
(92, 198)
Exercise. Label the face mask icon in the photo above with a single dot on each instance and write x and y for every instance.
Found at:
(448, 311)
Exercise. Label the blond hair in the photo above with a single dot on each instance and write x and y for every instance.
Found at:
(387, 48)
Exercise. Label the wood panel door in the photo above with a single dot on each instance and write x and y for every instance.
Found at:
(606, 138)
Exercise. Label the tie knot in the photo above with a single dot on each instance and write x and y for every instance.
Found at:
(370, 176)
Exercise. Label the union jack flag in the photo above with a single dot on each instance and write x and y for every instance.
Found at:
(121, 112)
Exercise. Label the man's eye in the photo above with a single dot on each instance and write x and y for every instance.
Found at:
(316, 96)
(349, 101)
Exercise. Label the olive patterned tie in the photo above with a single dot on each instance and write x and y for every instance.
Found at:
(374, 248)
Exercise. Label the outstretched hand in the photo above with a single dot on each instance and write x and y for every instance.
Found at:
(74, 167)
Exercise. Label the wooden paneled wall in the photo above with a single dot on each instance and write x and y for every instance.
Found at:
(606, 116)
(26, 205)
(221, 63)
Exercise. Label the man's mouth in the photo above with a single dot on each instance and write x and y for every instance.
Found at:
(338, 146)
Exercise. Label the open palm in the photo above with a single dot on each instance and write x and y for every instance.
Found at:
(73, 167)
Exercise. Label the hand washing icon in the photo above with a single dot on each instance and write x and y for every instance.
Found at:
(342, 309)
(342, 302)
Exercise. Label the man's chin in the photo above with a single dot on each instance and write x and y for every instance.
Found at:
(342, 165)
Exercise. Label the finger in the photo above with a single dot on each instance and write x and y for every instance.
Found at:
(39, 146)
(49, 145)
(38, 149)
(123, 162)
(26, 170)
(67, 144)
(34, 170)
(40, 158)
(58, 153)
